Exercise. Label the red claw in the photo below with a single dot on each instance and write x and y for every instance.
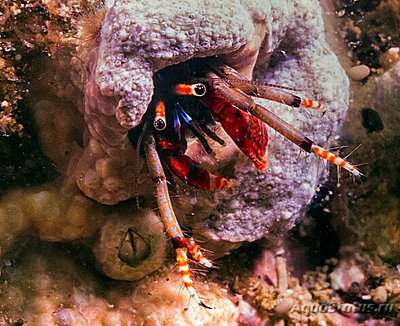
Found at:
(248, 132)
(189, 171)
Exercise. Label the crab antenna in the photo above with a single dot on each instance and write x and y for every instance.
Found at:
(194, 128)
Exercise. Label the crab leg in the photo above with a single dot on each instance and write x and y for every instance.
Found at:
(247, 104)
(211, 134)
(171, 223)
(196, 253)
(195, 250)
(268, 91)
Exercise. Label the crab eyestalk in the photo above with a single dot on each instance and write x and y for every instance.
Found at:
(190, 89)
(160, 120)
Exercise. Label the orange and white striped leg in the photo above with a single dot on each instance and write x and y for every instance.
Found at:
(247, 104)
(333, 158)
(270, 92)
(169, 219)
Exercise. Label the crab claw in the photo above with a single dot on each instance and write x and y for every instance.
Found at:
(194, 174)
(189, 171)
(247, 131)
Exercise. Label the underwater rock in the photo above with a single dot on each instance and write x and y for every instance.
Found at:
(345, 275)
(359, 73)
(373, 204)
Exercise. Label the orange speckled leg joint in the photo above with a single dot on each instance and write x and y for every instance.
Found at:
(306, 103)
(196, 253)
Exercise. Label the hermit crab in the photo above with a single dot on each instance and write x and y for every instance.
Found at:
(155, 76)
(226, 96)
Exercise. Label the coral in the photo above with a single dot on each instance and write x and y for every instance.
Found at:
(27, 29)
(269, 204)
(56, 217)
(48, 297)
(141, 244)
(8, 123)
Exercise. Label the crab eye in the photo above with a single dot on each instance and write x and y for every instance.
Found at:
(190, 89)
(198, 89)
(159, 124)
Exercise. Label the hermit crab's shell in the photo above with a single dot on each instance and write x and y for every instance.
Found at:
(140, 37)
